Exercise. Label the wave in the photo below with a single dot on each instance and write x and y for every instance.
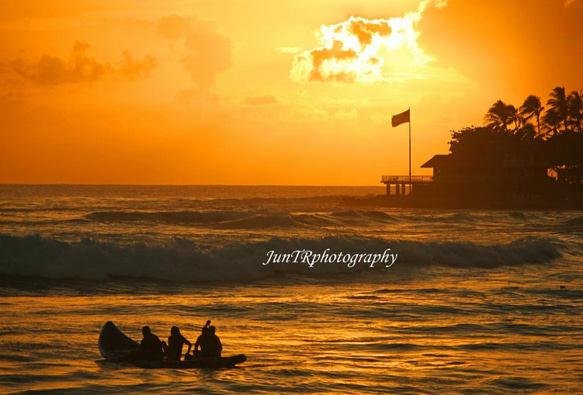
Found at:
(287, 221)
(442, 218)
(172, 217)
(575, 222)
(367, 215)
(182, 260)
(252, 219)
(249, 219)
(263, 222)
(260, 217)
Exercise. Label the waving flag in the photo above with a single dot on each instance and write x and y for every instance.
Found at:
(403, 117)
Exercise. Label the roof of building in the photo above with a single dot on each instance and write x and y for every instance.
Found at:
(486, 162)
(437, 161)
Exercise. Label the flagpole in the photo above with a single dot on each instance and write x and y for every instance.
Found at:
(409, 149)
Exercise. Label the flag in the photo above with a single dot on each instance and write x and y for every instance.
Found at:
(403, 117)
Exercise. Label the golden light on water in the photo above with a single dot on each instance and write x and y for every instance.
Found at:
(417, 333)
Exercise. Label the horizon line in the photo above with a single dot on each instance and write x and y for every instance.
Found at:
(187, 185)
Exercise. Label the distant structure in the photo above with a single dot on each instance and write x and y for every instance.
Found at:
(399, 186)
(475, 181)
(523, 157)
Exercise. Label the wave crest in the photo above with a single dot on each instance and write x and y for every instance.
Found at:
(182, 260)
(172, 217)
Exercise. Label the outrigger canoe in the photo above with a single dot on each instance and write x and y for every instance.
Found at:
(115, 346)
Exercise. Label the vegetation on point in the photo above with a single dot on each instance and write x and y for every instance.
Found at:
(554, 131)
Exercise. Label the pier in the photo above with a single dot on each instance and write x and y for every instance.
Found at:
(404, 185)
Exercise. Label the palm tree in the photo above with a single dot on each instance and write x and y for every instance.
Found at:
(514, 116)
(532, 107)
(558, 103)
(552, 121)
(575, 109)
(499, 116)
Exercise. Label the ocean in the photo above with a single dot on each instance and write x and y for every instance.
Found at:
(474, 301)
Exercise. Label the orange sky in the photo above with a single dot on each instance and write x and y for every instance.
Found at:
(262, 91)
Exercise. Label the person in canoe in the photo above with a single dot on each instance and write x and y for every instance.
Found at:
(176, 341)
(150, 347)
(215, 343)
(209, 343)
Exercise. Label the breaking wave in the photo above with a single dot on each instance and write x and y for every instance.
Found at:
(258, 218)
(250, 219)
(172, 217)
(183, 261)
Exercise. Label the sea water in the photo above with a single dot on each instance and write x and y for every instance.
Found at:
(475, 302)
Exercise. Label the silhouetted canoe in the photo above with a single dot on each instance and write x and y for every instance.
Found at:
(115, 346)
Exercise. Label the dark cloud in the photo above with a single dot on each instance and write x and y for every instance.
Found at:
(365, 29)
(208, 52)
(260, 100)
(80, 68)
(50, 70)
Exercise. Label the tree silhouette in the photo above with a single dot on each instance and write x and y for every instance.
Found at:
(557, 136)
(552, 122)
(575, 109)
(500, 115)
(532, 107)
(558, 105)
(515, 117)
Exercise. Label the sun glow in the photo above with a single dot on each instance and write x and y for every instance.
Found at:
(351, 50)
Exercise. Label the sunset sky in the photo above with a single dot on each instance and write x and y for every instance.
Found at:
(289, 92)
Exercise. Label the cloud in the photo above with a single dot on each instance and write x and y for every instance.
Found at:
(350, 50)
(50, 70)
(208, 53)
(347, 54)
(174, 27)
(134, 69)
(260, 100)
(80, 68)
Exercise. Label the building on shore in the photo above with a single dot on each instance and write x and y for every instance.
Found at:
(509, 178)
